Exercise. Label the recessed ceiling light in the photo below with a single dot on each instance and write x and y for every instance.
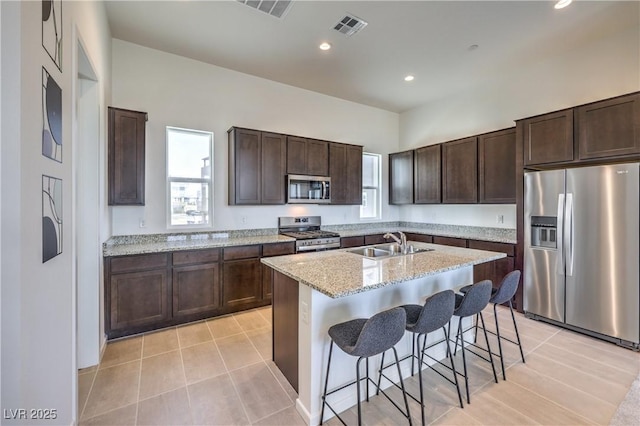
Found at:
(562, 4)
(325, 46)
(409, 78)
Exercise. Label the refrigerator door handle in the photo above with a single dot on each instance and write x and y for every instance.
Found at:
(560, 234)
(568, 233)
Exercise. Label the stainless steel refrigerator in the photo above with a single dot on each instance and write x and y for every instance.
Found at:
(581, 253)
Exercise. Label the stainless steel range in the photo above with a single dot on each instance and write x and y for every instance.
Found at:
(306, 230)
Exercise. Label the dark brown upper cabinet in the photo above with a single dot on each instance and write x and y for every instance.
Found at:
(126, 157)
(401, 178)
(427, 186)
(345, 170)
(609, 128)
(257, 162)
(307, 156)
(497, 167)
(460, 171)
(548, 138)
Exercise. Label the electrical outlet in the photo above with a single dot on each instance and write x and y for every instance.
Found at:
(142, 223)
(243, 219)
(500, 218)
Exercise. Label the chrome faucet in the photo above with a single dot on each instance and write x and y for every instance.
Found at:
(402, 241)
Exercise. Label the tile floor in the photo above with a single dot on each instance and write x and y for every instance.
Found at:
(219, 372)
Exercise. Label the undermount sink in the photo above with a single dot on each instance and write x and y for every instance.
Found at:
(386, 250)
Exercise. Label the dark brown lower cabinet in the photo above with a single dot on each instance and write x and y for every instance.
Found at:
(269, 250)
(138, 298)
(242, 282)
(421, 238)
(374, 239)
(285, 326)
(496, 270)
(450, 241)
(196, 289)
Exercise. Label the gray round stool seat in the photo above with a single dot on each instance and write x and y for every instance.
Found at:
(364, 338)
(503, 294)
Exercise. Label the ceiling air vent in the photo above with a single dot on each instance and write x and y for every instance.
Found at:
(277, 8)
(349, 25)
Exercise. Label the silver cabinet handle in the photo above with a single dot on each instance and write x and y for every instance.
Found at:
(560, 236)
(568, 234)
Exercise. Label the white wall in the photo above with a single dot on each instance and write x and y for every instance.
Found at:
(605, 68)
(38, 299)
(176, 91)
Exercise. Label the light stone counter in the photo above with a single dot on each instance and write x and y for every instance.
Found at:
(498, 235)
(339, 273)
(121, 246)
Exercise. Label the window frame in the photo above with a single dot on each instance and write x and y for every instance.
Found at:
(378, 188)
(177, 179)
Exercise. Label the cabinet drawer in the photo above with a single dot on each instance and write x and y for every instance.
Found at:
(241, 252)
(421, 238)
(139, 262)
(449, 241)
(278, 249)
(196, 256)
(508, 249)
(357, 241)
(374, 239)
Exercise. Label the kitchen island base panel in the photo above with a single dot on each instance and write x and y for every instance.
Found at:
(317, 312)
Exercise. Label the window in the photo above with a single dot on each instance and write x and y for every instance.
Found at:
(370, 208)
(189, 177)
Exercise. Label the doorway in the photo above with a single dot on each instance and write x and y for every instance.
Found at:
(87, 219)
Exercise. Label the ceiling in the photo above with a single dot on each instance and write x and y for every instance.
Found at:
(430, 39)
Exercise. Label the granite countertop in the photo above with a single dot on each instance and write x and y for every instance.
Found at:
(124, 245)
(339, 273)
(186, 242)
(498, 235)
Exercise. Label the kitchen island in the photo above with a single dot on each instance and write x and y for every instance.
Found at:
(314, 291)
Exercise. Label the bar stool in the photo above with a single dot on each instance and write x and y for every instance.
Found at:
(365, 338)
(503, 294)
(422, 320)
(475, 299)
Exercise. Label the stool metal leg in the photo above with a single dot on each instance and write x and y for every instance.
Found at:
(464, 359)
(513, 317)
(326, 382)
(358, 390)
(453, 366)
(420, 359)
(484, 328)
(495, 316)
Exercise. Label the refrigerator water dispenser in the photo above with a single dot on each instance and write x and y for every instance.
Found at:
(544, 231)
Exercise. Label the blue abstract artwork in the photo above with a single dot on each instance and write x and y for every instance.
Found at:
(52, 30)
(51, 217)
(51, 117)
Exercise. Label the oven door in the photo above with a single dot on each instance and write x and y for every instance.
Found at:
(308, 189)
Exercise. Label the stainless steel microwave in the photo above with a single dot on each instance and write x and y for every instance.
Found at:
(308, 189)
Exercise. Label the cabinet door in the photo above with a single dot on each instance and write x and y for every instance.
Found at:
(460, 171)
(277, 249)
(242, 282)
(427, 172)
(296, 155)
(138, 299)
(274, 159)
(317, 158)
(126, 156)
(609, 128)
(196, 289)
(354, 175)
(549, 138)
(401, 178)
(497, 167)
(245, 161)
(338, 172)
